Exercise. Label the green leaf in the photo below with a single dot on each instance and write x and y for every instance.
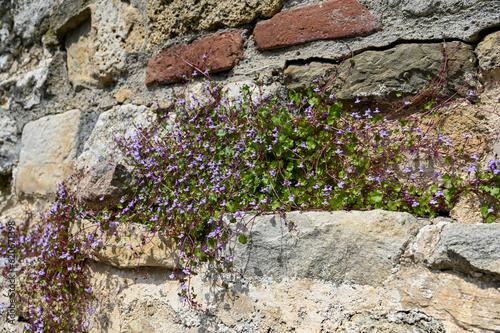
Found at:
(242, 239)
(375, 197)
(198, 252)
(484, 211)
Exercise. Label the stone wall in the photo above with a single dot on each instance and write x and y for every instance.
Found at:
(74, 74)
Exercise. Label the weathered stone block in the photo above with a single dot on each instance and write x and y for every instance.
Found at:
(404, 68)
(48, 152)
(461, 285)
(119, 122)
(175, 18)
(327, 20)
(468, 248)
(361, 247)
(488, 55)
(223, 51)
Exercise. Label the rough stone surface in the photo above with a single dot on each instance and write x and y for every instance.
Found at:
(24, 81)
(48, 152)
(362, 247)
(104, 185)
(300, 78)
(464, 304)
(461, 287)
(97, 48)
(251, 305)
(122, 95)
(403, 68)
(488, 55)
(119, 122)
(468, 248)
(29, 17)
(223, 51)
(9, 144)
(467, 210)
(138, 248)
(176, 18)
(328, 20)
(429, 7)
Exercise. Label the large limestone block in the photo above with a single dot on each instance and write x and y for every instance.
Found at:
(175, 18)
(362, 247)
(48, 152)
(488, 55)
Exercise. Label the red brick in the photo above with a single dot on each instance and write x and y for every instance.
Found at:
(326, 20)
(223, 51)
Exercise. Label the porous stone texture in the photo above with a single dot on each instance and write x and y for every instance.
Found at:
(488, 55)
(176, 18)
(98, 47)
(343, 242)
(328, 20)
(48, 151)
(404, 68)
(222, 52)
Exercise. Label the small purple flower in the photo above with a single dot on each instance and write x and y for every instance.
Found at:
(407, 169)
(491, 210)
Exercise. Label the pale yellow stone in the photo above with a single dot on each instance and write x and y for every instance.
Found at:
(464, 304)
(122, 95)
(48, 151)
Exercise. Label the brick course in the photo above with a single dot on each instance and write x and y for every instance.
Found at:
(223, 51)
(326, 20)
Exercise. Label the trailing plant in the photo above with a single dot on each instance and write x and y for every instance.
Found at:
(208, 159)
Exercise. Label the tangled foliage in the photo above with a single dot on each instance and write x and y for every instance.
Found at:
(209, 157)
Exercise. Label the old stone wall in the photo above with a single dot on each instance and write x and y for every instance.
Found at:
(75, 74)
